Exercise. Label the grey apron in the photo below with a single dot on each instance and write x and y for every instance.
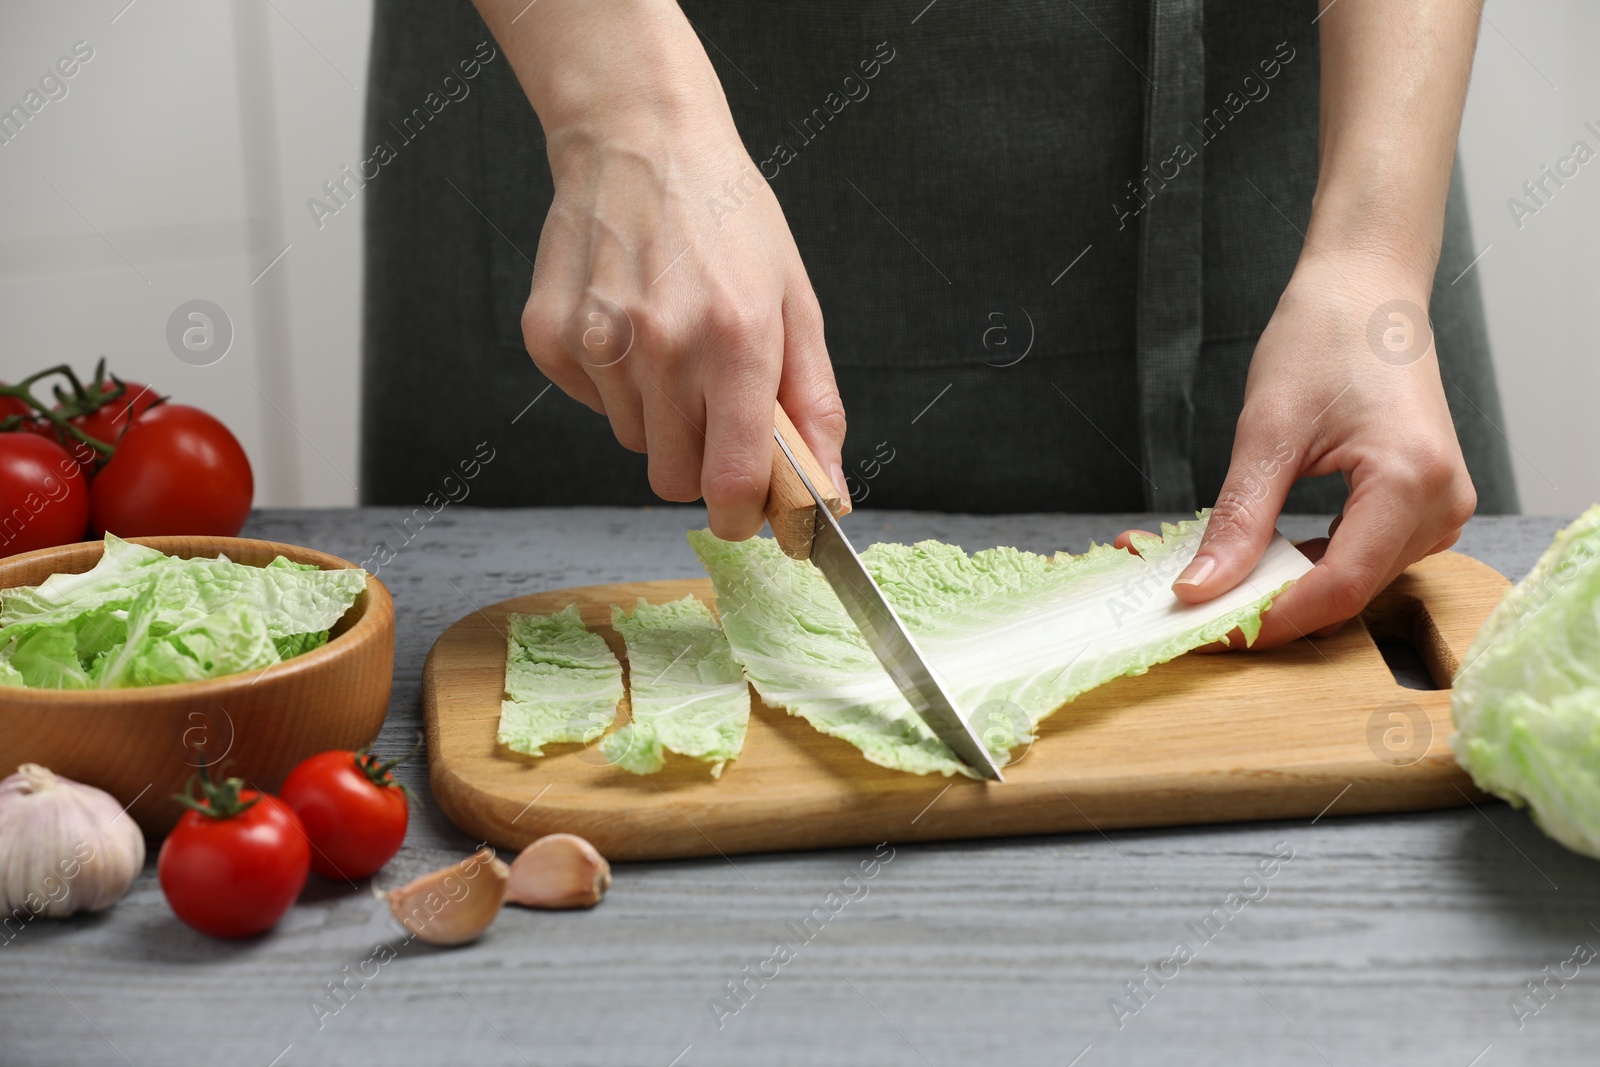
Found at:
(1045, 238)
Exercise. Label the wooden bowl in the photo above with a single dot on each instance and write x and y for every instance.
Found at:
(138, 744)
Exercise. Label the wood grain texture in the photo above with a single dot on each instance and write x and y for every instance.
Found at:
(1392, 940)
(791, 510)
(1200, 739)
(138, 744)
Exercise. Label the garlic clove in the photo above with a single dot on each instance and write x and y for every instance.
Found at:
(559, 871)
(454, 904)
(65, 847)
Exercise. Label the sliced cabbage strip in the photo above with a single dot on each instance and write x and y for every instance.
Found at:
(687, 692)
(562, 682)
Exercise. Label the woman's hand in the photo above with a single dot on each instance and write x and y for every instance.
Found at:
(1344, 378)
(668, 294)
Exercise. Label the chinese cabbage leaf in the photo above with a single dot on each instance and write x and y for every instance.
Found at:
(562, 682)
(139, 617)
(687, 692)
(1527, 702)
(1013, 634)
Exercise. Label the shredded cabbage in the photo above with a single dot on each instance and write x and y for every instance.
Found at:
(140, 617)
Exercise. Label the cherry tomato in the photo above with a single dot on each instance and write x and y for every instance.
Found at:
(135, 400)
(107, 423)
(354, 812)
(10, 405)
(44, 499)
(176, 470)
(235, 862)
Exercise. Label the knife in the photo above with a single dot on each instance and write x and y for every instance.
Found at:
(804, 520)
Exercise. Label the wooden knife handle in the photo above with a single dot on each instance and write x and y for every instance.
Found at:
(790, 509)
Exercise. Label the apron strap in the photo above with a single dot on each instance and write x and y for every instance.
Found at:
(1168, 303)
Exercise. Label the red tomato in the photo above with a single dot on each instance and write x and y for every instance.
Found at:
(44, 499)
(10, 405)
(107, 423)
(234, 875)
(354, 812)
(135, 400)
(177, 470)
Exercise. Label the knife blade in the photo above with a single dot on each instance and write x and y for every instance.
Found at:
(831, 553)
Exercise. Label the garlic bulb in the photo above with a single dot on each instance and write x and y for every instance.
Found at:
(454, 904)
(559, 871)
(65, 847)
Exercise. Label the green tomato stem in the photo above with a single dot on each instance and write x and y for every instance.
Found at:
(60, 419)
(217, 800)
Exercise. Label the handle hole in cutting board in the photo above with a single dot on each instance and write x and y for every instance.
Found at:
(1408, 639)
(1405, 662)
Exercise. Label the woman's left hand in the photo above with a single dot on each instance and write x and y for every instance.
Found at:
(1345, 378)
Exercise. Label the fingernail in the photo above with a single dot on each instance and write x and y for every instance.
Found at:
(1197, 571)
(836, 472)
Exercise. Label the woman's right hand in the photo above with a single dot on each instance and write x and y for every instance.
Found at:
(668, 294)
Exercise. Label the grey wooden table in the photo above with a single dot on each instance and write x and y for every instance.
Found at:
(1384, 940)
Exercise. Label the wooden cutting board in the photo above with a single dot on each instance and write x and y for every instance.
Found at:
(1310, 728)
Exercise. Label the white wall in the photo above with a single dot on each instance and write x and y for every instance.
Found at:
(186, 148)
(177, 167)
(1534, 86)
